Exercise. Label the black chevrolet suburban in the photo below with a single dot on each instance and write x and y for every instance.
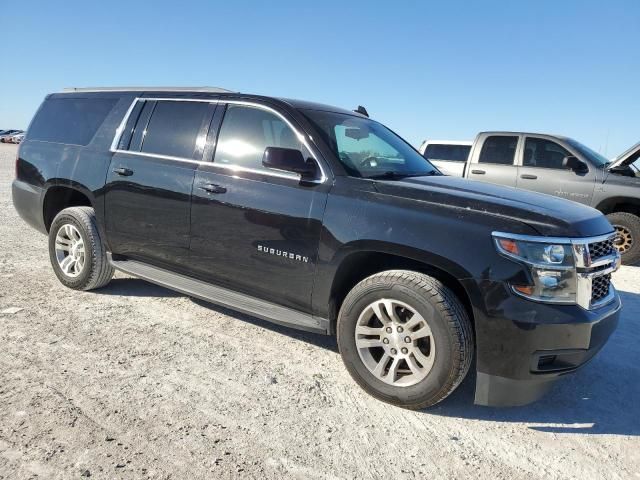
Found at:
(325, 220)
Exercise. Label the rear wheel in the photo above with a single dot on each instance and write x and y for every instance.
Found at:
(627, 241)
(77, 253)
(405, 338)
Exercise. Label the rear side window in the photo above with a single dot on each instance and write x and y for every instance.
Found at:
(499, 149)
(173, 128)
(70, 120)
(449, 153)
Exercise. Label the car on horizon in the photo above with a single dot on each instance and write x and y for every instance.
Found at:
(4, 136)
(17, 138)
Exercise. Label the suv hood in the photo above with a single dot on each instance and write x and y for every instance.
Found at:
(550, 216)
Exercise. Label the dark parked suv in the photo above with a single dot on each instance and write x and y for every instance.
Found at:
(324, 220)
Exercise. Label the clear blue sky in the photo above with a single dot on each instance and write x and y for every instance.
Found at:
(426, 69)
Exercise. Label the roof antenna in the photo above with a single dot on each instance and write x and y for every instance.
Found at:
(362, 111)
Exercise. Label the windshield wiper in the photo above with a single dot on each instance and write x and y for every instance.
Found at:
(393, 175)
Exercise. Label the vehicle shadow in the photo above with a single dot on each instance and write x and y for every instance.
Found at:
(601, 398)
(323, 341)
(135, 287)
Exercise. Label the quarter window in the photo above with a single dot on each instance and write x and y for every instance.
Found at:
(70, 120)
(542, 153)
(499, 149)
(247, 131)
(173, 128)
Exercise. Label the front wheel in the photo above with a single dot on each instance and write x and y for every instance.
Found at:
(405, 338)
(627, 226)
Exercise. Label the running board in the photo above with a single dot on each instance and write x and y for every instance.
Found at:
(221, 296)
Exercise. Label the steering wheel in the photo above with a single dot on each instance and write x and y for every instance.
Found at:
(370, 162)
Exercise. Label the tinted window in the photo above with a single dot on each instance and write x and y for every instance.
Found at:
(450, 153)
(247, 131)
(70, 120)
(499, 149)
(543, 153)
(173, 128)
(367, 148)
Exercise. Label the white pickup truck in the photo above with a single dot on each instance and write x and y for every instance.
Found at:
(554, 165)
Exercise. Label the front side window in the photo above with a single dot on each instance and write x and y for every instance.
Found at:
(247, 131)
(499, 149)
(447, 153)
(367, 148)
(542, 153)
(173, 128)
(594, 157)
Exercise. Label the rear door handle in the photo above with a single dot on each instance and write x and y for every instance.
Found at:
(478, 172)
(528, 176)
(125, 172)
(212, 188)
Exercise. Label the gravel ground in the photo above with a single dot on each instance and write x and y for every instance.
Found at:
(136, 381)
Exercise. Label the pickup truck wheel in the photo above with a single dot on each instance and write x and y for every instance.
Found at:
(627, 241)
(76, 250)
(405, 338)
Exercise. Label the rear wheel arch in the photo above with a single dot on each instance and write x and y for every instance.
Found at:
(355, 266)
(59, 197)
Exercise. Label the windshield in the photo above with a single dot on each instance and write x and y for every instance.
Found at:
(594, 157)
(367, 148)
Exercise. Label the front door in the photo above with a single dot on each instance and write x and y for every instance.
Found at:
(542, 171)
(148, 186)
(254, 229)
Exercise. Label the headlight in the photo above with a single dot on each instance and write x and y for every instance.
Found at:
(551, 265)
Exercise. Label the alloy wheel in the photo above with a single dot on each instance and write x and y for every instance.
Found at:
(70, 252)
(395, 342)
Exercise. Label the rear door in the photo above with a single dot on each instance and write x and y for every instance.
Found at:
(542, 171)
(149, 181)
(494, 159)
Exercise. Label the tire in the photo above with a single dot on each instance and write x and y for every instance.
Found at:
(627, 226)
(445, 355)
(94, 271)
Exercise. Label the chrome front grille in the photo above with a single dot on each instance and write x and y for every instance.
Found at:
(601, 249)
(596, 258)
(600, 287)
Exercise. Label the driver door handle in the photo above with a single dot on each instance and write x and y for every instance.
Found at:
(528, 176)
(122, 171)
(212, 188)
(478, 172)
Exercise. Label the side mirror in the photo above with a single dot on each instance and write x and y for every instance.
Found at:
(289, 160)
(574, 163)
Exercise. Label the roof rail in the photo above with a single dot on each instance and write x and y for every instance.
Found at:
(146, 89)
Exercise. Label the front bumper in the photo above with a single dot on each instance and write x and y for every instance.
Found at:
(523, 347)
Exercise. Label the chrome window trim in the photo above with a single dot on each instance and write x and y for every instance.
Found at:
(233, 168)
